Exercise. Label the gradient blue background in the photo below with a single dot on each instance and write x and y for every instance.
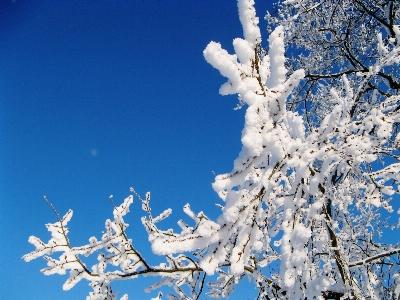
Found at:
(99, 96)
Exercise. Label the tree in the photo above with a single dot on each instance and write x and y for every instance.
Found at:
(303, 207)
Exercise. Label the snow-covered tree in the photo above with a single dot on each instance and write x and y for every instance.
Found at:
(317, 173)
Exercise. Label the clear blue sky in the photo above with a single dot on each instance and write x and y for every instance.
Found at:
(99, 96)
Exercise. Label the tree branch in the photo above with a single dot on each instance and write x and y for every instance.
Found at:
(372, 258)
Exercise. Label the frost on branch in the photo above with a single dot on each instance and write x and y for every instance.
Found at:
(319, 165)
(118, 251)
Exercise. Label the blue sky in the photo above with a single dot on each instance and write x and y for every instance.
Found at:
(99, 96)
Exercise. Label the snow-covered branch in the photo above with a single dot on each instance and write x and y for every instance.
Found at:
(372, 258)
(318, 166)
